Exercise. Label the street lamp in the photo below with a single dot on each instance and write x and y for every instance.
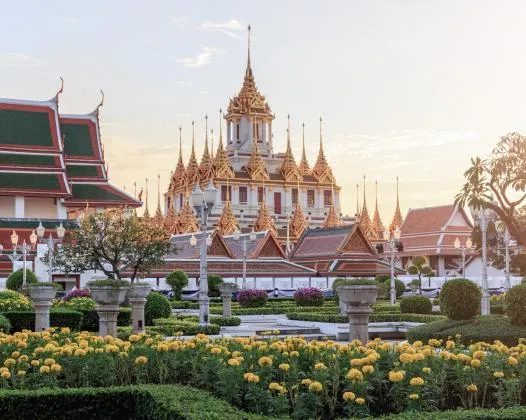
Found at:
(393, 244)
(251, 238)
(463, 248)
(203, 201)
(24, 248)
(50, 242)
(503, 231)
(483, 215)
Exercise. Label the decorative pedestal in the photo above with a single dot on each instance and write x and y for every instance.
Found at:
(226, 290)
(358, 300)
(343, 307)
(137, 298)
(42, 297)
(108, 300)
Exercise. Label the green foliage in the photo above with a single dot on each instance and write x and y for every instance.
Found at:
(460, 299)
(157, 306)
(385, 287)
(358, 282)
(213, 282)
(108, 283)
(380, 317)
(5, 325)
(419, 267)
(184, 327)
(482, 328)
(25, 320)
(177, 280)
(509, 413)
(146, 402)
(76, 303)
(14, 301)
(381, 278)
(416, 305)
(14, 281)
(515, 301)
(232, 321)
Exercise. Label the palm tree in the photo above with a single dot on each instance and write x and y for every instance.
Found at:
(419, 266)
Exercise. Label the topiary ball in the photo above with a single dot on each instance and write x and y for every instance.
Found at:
(460, 299)
(515, 307)
(416, 305)
(399, 286)
(5, 325)
(157, 306)
(14, 281)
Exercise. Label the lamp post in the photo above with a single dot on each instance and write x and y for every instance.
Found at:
(50, 242)
(483, 218)
(468, 245)
(251, 238)
(203, 201)
(24, 248)
(507, 241)
(392, 243)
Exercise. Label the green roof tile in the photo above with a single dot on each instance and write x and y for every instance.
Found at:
(25, 128)
(35, 160)
(77, 140)
(49, 224)
(30, 181)
(94, 192)
(81, 170)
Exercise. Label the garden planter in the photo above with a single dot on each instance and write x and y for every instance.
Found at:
(42, 297)
(226, 290)
(358, 300)
(137, 298)
(108, 299)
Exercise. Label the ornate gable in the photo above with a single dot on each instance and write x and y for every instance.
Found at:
(357, 243)
(219, 248)
(269, 247)
(221, 164)
(227, 223)
(264, 222)
(187, 219)
(332, 219)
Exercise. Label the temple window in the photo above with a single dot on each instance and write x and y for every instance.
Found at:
(257, 131)
(224, 190)
(237, 131)
(243, 195)
(294, 196)
(327, 197)
(261, 194)
(310, 198)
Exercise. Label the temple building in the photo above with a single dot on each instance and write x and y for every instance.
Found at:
(258, 188)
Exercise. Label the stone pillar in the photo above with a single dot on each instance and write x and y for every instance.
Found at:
(358, 299)
(42, 297)
(19, 207)
(137, 298)
(108, 299)
(107, 319)
(226, 290)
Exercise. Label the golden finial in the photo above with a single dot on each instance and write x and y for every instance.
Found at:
(146, 213)
(135, 190)
(377, 224)
(212, 143)
(321, 135)
(248, 62)
(397, 218)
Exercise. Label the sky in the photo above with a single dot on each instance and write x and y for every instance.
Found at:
(406, 88)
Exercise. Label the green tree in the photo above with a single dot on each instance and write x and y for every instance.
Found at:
(177, 279)
(214, 281)
(498, 183)
(419, 267)
(111, 242)
(14, 281)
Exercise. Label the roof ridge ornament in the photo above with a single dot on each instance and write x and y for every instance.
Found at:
(60, 90)
(377, 220)
(288, 169)
(398, 220)
(221, 163)
(304, 167)
(321, 170)
(96, 111)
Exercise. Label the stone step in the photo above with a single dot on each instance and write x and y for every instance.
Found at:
(291, 330)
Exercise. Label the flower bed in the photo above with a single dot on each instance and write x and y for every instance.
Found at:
(381, 317)
(273, 377)
(251, 298)
(308, 296)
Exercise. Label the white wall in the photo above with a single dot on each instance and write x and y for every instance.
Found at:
(7, 206)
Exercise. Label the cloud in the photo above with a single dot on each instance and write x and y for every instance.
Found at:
(71, 20)
(230, 27)
(201, 59)
(180, 21)
(185, 83)
(19, 60)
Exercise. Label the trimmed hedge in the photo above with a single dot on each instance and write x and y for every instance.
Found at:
(233, 321)
(483, 328)
(157, 306)
(90, 319)
(510, 413)
(515, 307)
(145, 402)
(383, 317)
(25, 320)
(5, 325)
(416, 305)
(186, 327)
(14, 281)
(460, 299)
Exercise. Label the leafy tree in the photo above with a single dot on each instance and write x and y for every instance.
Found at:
(14, 281)
(110, 242)
(177, 279)
(499, 184)
(419, 267)
(214, 281)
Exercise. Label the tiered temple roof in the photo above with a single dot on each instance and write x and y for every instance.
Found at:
(397, 218)
(221, 165)
(377, 224)
(187, 219)
(332, 219)
(321, 170)
(227, 223)
(264, 221)
(206, 166)
(178, 179)
(303, 167)
(192, 169)
(256, 166)
(297, 223)
(288, 169)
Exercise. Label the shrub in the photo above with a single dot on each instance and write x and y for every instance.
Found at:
(232, 321)
(157, 306)
(251, 298)
(381, 278)
(416, 305)
(460, 299)
(85, 303)
(14, 281)
(14, 301)
(213, 282)
(178, 279)
(25, 320)
(77, 293)
(5, 325)
(380, 317)
(108, 283)
(308, 296)
(184, 327)
(515, 304)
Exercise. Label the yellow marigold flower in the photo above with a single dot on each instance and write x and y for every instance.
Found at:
(274, 386)
(418, 357)
(148, 341)
(315, 386)
(320, 366)
(35, 362)
(162, 347)
(21, 373)
(99, 350)
(450, 344)
(55, 367)
(498, 374)
(123, 354)
(23, 358)
(367, 369)
(233, 362)
(49, 362)
(134, 338)
(356, 362)
(294, 353)
(417, 381)
(396, 376)
(413, 396)
(306, 382)
(22, 345)
(349, 396)
(479, 354)
(253, 378)
(44, 369)
(475, 363)
(246, 375)
(284, 366)
(512, 361)
(426, 370)
(141, 360)
(406, 358)
(15, 354)
(265, 361)
(359, 401)
(215, 350)
(355, 374)
(9, 362)
(472, 388)
(5, 375)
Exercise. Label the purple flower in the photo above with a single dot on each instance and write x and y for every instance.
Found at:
(309, 296)
(251, 298)
(77, 293)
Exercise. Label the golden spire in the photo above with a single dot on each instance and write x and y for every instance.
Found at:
(297, 222)
(377, 221)
(212, 145)
(397, 218)
(321, 170)
(205, 168)
(357, 202)
(171, 221)
(221, 164)
(248, 71)
(365, 220)
(187, 219)
(303, 167)
(146, 214)
(288, 169)
(332, 219)
(192, 170)
(227, 223)
(264, 221)
(178, 180)
(255, 165)
(158, 217)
